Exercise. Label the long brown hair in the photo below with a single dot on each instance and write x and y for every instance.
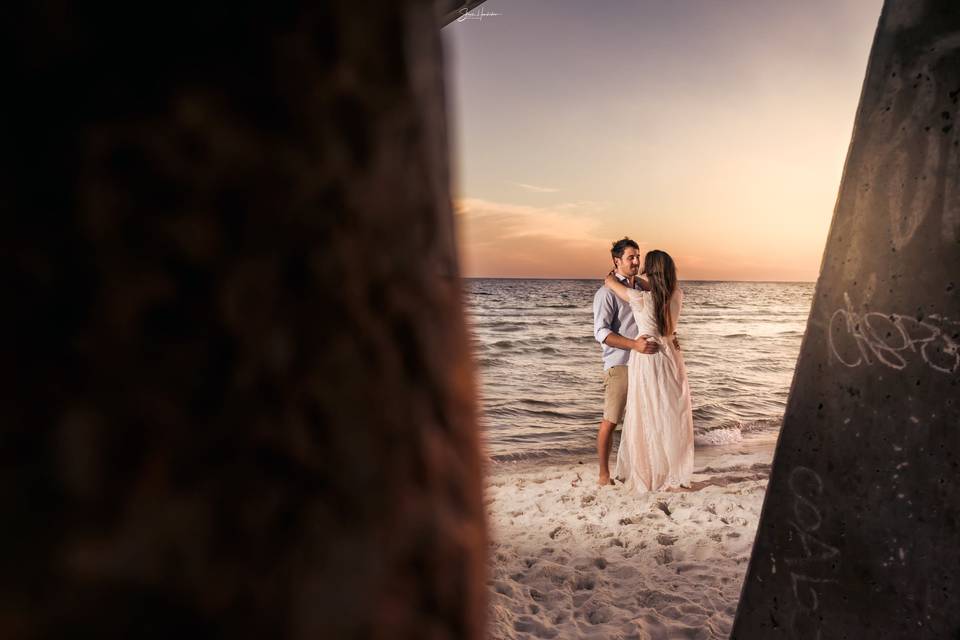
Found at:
(662, 274)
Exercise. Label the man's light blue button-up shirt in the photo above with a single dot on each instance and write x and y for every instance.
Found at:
(612, 315)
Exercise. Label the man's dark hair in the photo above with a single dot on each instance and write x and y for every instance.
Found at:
(621, 245)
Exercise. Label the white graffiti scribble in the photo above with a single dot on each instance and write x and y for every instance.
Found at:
(892, 339)
(819, 562)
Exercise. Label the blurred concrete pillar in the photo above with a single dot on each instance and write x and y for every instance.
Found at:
(859, 530)
(237, 393)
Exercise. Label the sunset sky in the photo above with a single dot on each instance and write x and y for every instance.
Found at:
(714, 130)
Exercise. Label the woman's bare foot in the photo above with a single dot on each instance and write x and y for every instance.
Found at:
(605, 480)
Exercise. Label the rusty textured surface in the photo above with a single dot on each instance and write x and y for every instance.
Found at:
(237, 392)
(858, 535)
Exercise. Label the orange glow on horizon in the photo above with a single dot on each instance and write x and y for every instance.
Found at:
(514, 241)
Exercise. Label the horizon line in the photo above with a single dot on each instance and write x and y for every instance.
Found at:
(679, 279)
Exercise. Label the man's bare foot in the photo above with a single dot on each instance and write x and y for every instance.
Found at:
(605, 480)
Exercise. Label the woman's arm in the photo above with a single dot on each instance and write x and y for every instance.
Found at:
(620, 289)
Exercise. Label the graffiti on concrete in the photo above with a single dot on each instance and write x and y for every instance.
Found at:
(893, 339)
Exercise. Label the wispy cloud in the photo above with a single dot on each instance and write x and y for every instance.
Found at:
(500, 238)
(534, 188)
(590, 205)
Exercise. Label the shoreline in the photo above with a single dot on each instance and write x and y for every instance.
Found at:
(571, 559)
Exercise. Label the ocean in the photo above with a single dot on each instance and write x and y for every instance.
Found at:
(540, 368)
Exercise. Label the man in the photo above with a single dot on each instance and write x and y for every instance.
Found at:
(615, 328)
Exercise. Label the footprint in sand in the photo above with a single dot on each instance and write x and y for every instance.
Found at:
(526, 624)
(600, 563)
(663, 556)
(584, 583)
(559, 533)
(666, 539)
(600, 615)
(624, 573)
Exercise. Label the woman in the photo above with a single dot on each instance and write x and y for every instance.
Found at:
(656, 446)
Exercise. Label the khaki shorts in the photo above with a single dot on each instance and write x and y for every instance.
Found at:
(614, 393)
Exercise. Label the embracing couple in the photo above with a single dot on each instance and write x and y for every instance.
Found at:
(645, 384)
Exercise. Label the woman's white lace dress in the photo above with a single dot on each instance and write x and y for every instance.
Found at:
(656, 445)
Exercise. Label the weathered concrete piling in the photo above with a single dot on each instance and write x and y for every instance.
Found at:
(858, 536)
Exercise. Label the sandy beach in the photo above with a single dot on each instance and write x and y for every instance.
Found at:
(570, 559)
